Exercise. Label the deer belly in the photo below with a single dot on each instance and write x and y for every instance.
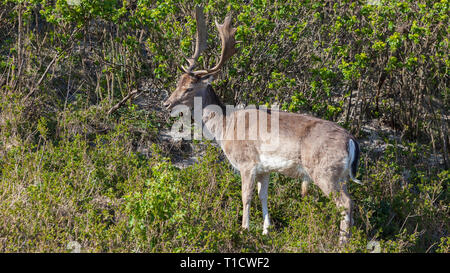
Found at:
(281, 165)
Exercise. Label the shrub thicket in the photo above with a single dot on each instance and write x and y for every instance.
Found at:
(72, 167)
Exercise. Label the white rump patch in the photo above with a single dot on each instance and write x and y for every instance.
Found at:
(351, 157)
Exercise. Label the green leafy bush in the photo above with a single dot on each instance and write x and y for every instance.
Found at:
(73, 168)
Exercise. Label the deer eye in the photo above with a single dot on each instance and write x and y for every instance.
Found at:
(189, 89)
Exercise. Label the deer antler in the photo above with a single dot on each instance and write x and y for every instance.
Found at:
(200, 44)
(226, 33)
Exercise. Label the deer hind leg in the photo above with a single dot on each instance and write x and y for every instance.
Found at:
(342, 199)
(248, 185)
(263, 186)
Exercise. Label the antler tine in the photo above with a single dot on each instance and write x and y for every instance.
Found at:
(201, 36)
(226, 33)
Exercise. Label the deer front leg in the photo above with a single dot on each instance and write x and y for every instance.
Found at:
(263, 186)
(248, 185)
(305, 187)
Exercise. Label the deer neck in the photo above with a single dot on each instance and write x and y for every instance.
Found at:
(209, 98)
(213, 114)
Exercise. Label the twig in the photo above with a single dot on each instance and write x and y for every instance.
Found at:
(49, 66)
(119, 104)
(42, 77)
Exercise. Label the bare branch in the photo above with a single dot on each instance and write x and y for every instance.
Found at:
(119, 104)
(42, 77)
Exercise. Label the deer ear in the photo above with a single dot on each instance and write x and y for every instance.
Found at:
(207, 79)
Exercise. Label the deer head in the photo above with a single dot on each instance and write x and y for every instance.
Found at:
(195, 82)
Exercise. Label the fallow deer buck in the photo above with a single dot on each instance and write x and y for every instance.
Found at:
(309, 148)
